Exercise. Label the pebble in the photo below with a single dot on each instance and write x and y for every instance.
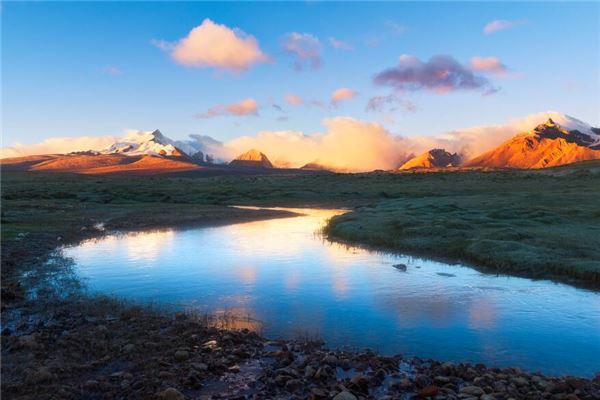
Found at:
(171, 394)
(345, 396)
(182, 355)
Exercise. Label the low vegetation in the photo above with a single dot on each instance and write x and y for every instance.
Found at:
(543, 223)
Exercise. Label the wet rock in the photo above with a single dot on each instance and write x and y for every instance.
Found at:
(344, 395)
(441, 380)
(318, 394)
(428, 391)
(400, 267)
(472, 390)
(171, 394)
(234, 369)
(309, 372)
(182, 355)
(330, 359)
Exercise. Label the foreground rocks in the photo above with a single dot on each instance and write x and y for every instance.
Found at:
(105, 350)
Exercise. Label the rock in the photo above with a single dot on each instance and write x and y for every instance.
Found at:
(330, 359)
(293, 385)
(128, 348)
(91, 384)
(345, 396)
(441, 380)
(405, 384)
(487, 397)
(520, 381)
(472, 390)
(318, 394)
(200, 366)
(428, 391)
(234, 369)
(171, 394)
(400, 267)
(41, 374)
(309, 372)
(28, 342)
(211, 344)
(182, 355)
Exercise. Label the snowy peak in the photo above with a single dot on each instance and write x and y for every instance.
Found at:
(144, 143)
(551, 130)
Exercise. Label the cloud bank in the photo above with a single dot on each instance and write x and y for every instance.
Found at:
(488, 64)
(211, 45)
(440, 74)
(345, 144)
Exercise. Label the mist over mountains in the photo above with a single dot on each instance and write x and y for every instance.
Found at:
(346, 144)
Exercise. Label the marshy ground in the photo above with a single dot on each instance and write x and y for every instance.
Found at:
(540, 224)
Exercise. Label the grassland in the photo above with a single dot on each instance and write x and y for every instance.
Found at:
(536, 223)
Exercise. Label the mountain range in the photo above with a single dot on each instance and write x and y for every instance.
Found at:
(545, 145)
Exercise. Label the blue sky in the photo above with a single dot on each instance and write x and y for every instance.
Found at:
(72, 69)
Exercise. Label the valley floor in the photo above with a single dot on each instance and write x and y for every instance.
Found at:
(540, 224)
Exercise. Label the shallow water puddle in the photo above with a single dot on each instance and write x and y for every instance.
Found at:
(283, 273)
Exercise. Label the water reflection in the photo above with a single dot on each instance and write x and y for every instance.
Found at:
(281, 273)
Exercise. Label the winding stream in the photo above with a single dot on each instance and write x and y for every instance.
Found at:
(283, 273)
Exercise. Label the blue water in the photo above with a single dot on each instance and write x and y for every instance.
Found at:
(283, 273)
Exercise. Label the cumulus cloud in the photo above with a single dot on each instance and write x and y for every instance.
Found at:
(500, 25)
(488, 64)
(212, 45)
(293, 99)
(342, 94)
(391, 101)
(347, 144)
(440, 74)
(339, 44)
(305, 48)
(247, 106)
(58, 145)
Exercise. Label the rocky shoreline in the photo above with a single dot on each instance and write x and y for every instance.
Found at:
(98, 349)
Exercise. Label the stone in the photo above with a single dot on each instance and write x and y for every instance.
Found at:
(171, 394)
(428, 391)
(128, 348)
(41, 374)
(345, 396)
(182, 355)
(28, 342)
(472, 390)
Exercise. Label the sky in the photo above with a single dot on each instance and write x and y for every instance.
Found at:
(231, 70)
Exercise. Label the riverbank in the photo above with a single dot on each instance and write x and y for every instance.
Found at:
(69, 345)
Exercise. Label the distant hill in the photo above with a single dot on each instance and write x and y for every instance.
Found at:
(252, 158)
(547, 145)
(434, 158)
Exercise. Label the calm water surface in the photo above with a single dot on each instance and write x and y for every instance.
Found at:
(283, 273)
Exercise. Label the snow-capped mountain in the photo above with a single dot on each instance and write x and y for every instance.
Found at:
(547, 145)
(144, 143)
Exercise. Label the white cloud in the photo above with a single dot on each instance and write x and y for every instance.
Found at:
(339, 44)
(342, 94)
(306, 49)
(293, 99)
(247, 106)
(58, 145)
(488, 64)
(212, 45)
(500, 25)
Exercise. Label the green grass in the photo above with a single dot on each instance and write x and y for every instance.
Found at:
(536, 223)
